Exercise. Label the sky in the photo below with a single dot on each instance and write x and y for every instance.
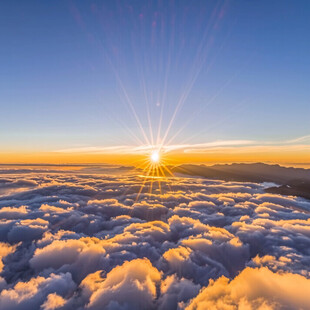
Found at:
(93, 81)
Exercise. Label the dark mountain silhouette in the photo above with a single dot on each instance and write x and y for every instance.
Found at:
(292, 181)
(295, 187)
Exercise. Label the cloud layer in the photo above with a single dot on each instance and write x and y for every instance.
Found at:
(73, 240)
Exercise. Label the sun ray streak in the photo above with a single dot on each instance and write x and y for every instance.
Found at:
(168, 65)
(196, 69)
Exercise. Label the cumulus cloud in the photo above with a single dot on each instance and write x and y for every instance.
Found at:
(175, 291)
(129, 286)
(13, 213)
(5, 249)
(255, 289)
(81, 257)
(53, 209)
(30, 295)
(53, 302)
(87, 240)
(27, 230)
(9, 185)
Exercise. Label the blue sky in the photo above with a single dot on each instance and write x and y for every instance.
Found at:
(66, 68)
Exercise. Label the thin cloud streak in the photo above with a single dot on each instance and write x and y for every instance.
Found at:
(236, 145)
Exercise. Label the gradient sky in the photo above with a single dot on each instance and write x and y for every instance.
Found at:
(84, 74)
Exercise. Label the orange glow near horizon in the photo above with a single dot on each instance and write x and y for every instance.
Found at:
(280, 154)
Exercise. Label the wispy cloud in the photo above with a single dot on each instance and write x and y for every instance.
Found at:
(299, 142)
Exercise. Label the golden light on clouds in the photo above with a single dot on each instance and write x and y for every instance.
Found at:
(141, 250)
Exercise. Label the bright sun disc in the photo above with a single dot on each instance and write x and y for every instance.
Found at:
(155, 157)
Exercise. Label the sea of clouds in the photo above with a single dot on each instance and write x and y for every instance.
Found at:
(73, 240)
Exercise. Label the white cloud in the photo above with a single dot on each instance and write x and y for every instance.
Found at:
(87, 241)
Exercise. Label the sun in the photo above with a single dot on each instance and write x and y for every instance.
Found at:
(155, 157)
(155, 171)
(155, 165)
